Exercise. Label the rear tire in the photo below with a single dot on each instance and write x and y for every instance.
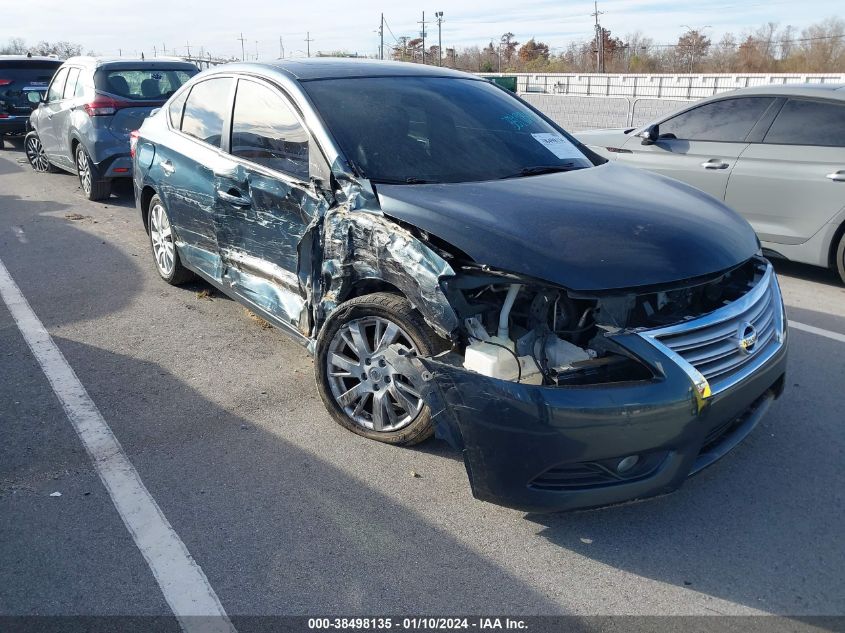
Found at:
(35, 154)
(93, 186)
(405, 415)
(840, 258)
(163, 245)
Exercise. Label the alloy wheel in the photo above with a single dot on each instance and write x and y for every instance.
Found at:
(35, 154)
(161, 235)
(369, 391)
(83, 167)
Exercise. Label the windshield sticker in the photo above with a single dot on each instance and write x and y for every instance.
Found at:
(156, 76)
(558, 145)
(518, 120)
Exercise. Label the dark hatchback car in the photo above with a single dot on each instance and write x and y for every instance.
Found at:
(583, 333)
(92, 105)
(23, 83)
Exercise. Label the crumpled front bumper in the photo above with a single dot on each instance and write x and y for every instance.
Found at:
(513, 435)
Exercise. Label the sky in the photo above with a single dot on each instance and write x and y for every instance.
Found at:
(215, 26)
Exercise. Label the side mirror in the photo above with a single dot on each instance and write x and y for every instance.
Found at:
(34, 97)
(650, 135)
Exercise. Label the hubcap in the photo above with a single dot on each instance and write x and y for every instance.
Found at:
(84, 169)
(35, 154)
(368, 390)
(161, 236)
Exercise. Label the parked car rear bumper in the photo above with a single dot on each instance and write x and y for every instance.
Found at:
(14, 124)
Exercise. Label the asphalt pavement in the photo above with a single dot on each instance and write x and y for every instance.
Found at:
(287, 513)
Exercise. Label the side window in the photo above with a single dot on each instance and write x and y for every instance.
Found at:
(809, 123)
(84, 86)
(205, 110)
(727, 121)
(70, 86)
(174, 110)
(266, 131)
(58, 86)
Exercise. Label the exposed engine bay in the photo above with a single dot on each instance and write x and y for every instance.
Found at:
(522, 331)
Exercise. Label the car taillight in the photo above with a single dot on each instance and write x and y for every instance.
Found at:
(5, 82)
(133, 142)
(103, 106)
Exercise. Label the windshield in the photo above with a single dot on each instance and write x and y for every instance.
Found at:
(435, 129)
(157, 84)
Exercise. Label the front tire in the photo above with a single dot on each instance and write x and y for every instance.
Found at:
(163, 245)
(35, 154)
(361, 392)
(92, 185)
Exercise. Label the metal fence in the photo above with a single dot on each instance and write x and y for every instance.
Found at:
(575, 112)
(682, 86)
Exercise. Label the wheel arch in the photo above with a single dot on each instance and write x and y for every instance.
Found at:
(147, 194)
(834, 245)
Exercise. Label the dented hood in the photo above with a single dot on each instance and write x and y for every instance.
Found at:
(602, 228)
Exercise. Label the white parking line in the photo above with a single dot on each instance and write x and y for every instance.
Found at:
(182, 581)
(835, 336)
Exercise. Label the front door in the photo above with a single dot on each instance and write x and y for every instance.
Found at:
(700, 146)
(47, 112)
(266, 203)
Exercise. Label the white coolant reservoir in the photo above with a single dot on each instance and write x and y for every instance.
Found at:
(491, 359)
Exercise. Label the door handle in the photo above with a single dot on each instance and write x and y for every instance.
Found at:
(837, 176)
(234, 197)
(167, 167)
(715, 163)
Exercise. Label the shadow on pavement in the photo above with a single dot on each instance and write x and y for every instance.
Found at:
(806, 272)
(277, 529)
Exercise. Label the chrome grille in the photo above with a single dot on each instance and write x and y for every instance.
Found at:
(712, 345)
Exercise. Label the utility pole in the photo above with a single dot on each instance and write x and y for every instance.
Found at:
(599, 39)
(281, 48)
(154, 51)
(308, 41)
(243, 50)
(188, 46)
(256, 50)
(422, 35)
(381, 38)
(439, 16)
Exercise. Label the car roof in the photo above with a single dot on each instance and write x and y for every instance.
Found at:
(826, 91)
(308, 69)
(27, 58)
(129, 62)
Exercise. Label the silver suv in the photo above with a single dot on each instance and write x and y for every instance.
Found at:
(92, 105)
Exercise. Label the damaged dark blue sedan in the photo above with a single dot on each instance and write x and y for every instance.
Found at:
(583, 333)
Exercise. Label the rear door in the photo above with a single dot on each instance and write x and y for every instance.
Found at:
(700, 146)
(267, 202)
(790, 185)
(185, 166)
(60, 116)
(48, 110)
